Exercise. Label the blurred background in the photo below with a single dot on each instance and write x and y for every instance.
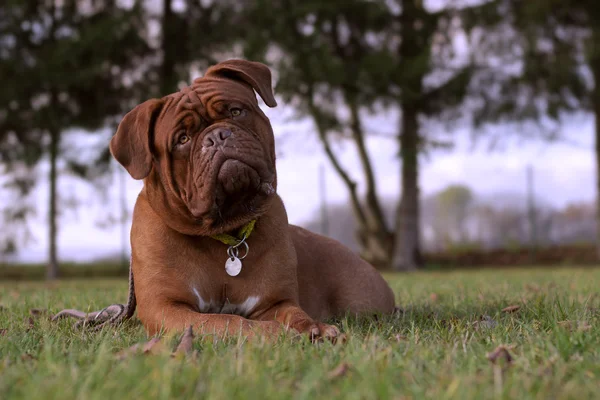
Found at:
(422, 134)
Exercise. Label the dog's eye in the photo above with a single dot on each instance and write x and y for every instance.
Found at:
(235, 112)
(183, 139)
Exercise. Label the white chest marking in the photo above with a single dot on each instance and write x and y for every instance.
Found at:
(244, 309)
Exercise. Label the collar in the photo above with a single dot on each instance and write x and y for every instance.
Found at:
(242, 234)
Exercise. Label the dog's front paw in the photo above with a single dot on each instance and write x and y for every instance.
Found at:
(317, 331)
(330, 332)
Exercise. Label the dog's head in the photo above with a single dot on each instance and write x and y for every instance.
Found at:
(207, 152)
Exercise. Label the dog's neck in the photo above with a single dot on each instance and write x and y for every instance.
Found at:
(176, 215)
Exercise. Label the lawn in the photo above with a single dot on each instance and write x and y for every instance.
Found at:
(445, 344)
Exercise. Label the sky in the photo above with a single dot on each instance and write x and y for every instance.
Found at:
(564, 173)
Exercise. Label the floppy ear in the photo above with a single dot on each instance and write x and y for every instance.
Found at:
(130, 146)
(256, 74)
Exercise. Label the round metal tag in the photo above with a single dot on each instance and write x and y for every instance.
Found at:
(233, 266)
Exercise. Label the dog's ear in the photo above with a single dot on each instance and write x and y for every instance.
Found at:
(255, 74)
(130, 146)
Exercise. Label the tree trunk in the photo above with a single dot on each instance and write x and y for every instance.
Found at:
(52, 268)
(167, 70)
(375, 246)
(407, 241)
(374, 242)
(374, 236)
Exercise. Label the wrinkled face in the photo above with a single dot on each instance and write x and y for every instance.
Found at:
(215, 149)
(212, 159)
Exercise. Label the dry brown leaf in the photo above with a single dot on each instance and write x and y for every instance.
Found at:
(185, 344)
(3, 331)
(511, 309)
(501, 353)
(30, 324)
(121, 355)
(532, 287)
(27, 357)
(153, 346)
(434, 297)
(339, 371)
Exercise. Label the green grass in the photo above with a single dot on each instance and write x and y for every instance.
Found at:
(432, 350)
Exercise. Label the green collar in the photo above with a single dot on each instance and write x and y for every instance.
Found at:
(242, 234)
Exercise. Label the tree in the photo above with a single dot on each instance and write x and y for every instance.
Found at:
(453, 206)
(540, 61)
(65, 65)
(339, 60)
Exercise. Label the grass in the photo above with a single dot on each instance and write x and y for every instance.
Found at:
(435, 349)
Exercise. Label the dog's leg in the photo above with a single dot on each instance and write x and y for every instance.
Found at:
(293, 317)
(175, 318)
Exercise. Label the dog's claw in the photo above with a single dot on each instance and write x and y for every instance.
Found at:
(329, 331)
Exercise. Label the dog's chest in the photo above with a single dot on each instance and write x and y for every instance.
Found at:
(224, 306)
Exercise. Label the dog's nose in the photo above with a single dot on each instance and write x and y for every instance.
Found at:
(216, 137)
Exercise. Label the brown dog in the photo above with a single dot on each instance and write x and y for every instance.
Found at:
(207, 158)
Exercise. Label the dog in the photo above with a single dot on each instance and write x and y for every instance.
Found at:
(211, 243)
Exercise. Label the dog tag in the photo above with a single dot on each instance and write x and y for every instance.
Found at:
(233, 266)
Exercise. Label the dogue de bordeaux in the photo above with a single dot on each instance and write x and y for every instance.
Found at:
(211, 243)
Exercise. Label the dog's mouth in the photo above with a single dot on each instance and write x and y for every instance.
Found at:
(236, 177)
(239, 188)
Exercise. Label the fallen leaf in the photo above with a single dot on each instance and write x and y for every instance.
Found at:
(532, 287)
(30, 324)
(153, 346)
(339, 371)
(433, 297)
(128, 351)
(185, 344)
(500, 353)
(511, 309)
(27, 357)
(3, 331)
